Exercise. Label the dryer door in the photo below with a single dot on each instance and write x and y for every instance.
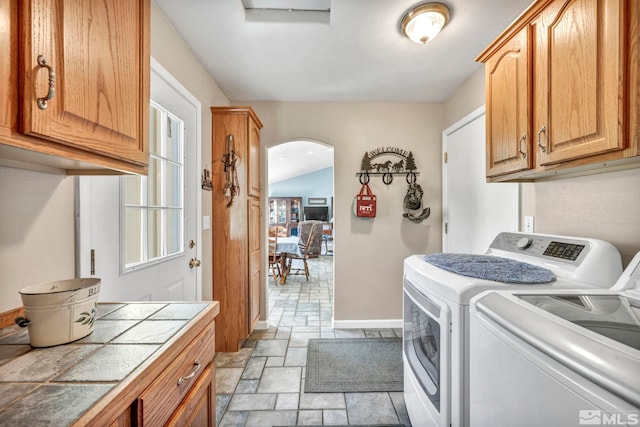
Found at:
(427, 350)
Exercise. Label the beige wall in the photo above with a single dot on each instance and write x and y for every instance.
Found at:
(36, 231)
(368, 253)
(36, 209)
(170, 50)
(467, 98)
(603, 206)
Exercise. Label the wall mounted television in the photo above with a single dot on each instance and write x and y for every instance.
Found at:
(316, 213)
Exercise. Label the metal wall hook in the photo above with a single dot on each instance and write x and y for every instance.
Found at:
(364, 178)
(411, 178)
(387, 178)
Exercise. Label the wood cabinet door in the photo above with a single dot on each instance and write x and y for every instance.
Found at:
(578, 79)
(507, 87)
(8, 66)
(96, 70)
(254, 263)
(254, 159)
(229, 231)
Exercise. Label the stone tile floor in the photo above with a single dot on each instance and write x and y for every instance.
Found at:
(263, 383)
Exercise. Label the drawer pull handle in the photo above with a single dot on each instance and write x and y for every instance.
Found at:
(42, 102)
(196, 368)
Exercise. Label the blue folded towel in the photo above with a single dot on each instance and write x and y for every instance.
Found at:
(491, 268)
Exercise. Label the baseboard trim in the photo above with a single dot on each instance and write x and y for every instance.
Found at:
(367, 324)
(261, 325)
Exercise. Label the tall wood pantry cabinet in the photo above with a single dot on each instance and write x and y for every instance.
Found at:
(236, 228)
(75, 84)
(562, 90)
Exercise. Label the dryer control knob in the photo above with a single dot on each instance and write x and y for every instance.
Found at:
(524, 243)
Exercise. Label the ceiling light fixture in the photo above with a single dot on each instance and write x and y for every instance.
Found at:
(423, 22)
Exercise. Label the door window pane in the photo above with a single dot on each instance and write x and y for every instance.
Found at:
(174, 190)
(153, 205)
(133, 226)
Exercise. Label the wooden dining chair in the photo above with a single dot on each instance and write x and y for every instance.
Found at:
(305, 254)
(278, 230)
(274, 259)
(314, 245)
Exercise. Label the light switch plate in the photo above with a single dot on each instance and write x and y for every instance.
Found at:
(206, 222)
(529, 224)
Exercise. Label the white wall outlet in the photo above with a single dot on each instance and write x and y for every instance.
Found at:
(529, 224)
(206, 222)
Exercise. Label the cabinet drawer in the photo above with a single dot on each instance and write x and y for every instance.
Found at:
(158, 402)
(198, 408)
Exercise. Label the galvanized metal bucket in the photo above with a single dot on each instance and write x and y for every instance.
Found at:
(59, 312)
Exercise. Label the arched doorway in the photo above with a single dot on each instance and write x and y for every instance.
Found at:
(300, 186)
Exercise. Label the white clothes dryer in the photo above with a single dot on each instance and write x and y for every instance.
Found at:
(557, 358)
(436, 314)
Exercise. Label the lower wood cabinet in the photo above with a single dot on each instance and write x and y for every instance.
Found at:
(169, 377)
(199, 407)
(170, 392)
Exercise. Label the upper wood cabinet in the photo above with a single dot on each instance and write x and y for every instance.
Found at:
(561, 86)
(77, 80)
(578, 72)
(253, 186)
(508, 112)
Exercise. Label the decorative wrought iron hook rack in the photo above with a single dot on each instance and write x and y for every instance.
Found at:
(414, 209)
(387, 169)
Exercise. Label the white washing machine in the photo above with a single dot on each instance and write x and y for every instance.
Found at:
(436, 313)
(557, 359)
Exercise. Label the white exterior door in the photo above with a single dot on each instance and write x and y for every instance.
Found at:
(474, 211)
(139, 234)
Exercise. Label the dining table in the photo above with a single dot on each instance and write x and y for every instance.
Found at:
(285, 246)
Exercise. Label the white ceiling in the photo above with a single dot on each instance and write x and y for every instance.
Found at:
(297, 158)
(357, 54)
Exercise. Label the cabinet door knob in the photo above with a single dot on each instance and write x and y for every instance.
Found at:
(542, 130)
(42, 102)
(523, 138)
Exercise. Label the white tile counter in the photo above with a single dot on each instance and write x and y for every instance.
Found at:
(95, 379)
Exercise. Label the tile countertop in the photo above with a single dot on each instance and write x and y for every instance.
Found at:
(57, 385)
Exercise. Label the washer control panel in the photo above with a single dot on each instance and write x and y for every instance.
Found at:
(564, 250)
(561, 249)
(584, 259)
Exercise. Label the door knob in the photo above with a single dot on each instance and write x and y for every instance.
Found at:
(194, 262)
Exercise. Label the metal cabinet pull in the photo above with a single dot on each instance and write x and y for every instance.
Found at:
(522, 138)
(42, 102)
(196, 368)
(542, 130)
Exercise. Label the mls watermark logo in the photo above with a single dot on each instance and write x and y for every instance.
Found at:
(597, 417)
(590, 417)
